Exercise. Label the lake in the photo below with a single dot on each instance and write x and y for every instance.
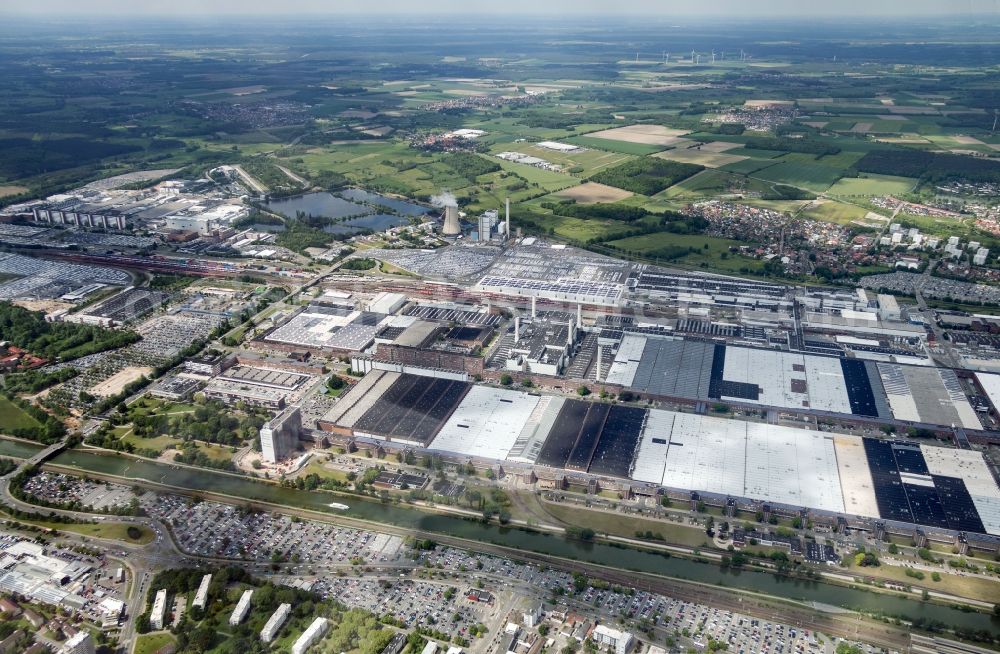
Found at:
(324, 205)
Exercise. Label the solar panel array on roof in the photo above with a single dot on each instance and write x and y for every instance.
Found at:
(958, 504)
(859, 389)
(439, 314)
(413, 409)
(586, 443)
(617, 445)
(907, 492)
(562, 438)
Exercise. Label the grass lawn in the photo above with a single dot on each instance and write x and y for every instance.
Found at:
(315, 467)
(153, 643)
(591, 161)
(13, 417)
(159, 443)
(707, 183)
(872, 185)
(578, 229)
(970, 587)
(108, 530)
(216, 452)
(617, 524)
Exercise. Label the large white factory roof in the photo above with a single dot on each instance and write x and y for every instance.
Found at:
(991, 386)
(627, 360)
(780, 375)
(487, 423)
(855, 477)
(779, 464)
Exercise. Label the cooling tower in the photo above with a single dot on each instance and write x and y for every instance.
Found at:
(451, 224)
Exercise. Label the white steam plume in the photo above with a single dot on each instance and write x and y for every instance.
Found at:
(444, 199)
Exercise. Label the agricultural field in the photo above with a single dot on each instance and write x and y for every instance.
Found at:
(583, 163)
(623, 147)
(870, 184)
(704, 158)
(594, 193)
(813, 177)
(832, 211)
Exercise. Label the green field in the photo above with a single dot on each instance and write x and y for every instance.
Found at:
(749, 166)
(106, 530)
(546, 179)
(703, 251)
(153, 643)
(590, 161)
(14, 417)
(833, 212)
(872, 185)
(623, 147)
(816, 178)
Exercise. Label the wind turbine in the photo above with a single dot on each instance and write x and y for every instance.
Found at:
(713, 56)
(692, 56)
(996, 115)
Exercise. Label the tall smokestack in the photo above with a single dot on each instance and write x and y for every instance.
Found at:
(600, 355)
(534, 312)
(507, 216)
(517, 329)
(579, 313)
(451, 225)
(569, 333)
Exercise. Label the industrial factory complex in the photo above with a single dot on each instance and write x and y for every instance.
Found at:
(737, 393)
(566, 368)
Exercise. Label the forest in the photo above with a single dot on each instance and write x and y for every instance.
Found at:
(61, 341)
(647, 176)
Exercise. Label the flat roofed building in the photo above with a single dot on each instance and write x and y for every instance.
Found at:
(487, 423)
(620, 642)
(158, 612)
(274, 623)
(79, 643)
(242, 608)
(201, 596)
(310, 636)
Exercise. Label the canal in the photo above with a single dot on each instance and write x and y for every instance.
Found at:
(600, 553)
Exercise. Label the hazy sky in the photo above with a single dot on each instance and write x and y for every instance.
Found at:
(741, 8)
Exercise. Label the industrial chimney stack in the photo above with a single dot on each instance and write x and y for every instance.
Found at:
(507, 216)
